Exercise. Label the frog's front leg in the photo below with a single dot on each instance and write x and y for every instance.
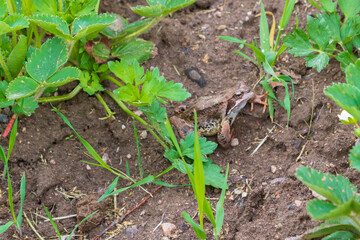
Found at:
(182, 126)
(224, 135)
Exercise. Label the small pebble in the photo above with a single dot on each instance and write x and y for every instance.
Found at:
(123, 127)
(218, 14)
(291, 207)
(238, 191)
(3, 118)
(143, 134)
(298, 203)
(273, 168)
(105, 158)
(244, 195)
(128, 156)
(52, 161)
(168, 228)
(24, 129)
(88, 167)
(138, 113)
(234, 142)
(221, 27)
(142, 213)
(249, 13)
(194, 75)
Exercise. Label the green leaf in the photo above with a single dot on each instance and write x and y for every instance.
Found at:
(318, 61)
(298, 42)
(52, 221)
(4, 102)
(318, 32)
(154, 112)
(134, 49)
(45, 61)
(347, 96)
(219, 218)
(3, 10)
(337, 189)
(328, 5)
(349, 7)
(46, 6)
(21, 87)
(345, 58)
(127, 73)
(14, 22)
(149, 11)
(341, 235)
(5, 227)
(332, 226)
(90, 23)
(350, 29)
(264, 31)
(79, 8)
(353, 74)
(187, 146)
(323, 210)
(17, 56)
(332, 25)
(354, 157)
(90, 83)
(197, 229)
(213, 176)
(63, 76)
(22, 199)
(25, 106)
(53, 24)
(172, 6)
(101, 51)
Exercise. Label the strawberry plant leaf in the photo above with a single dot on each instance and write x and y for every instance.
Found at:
(90, 83)
(121, 28)
(333, 225)
(101, 51)
(332, 25)
(126, 72)
(130, 94)
(154, 112)
(149, 11)
(90, 23)
(328, 5)
(341, 235)
(17, 56)
(79, 8)
(317, 31)
(45, 61)
(337, 189)
(134, 49)
(350, 29)
(298, 42)
(25, 106)
(318, 61)
(46, 6)
(63, 76)
(347, 96)
(21, 87)
(213, 176)
(172, 6)
(187, 146)
(354, 157)
(4, 102)
(53, 24)
(345, 58)
(13, 23)
(353, 74)
(349, 7)
(318, 208)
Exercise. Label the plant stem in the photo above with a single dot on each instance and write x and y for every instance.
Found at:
(60, 6)
(141, 30)
(6, 70)
(39, 93)
(110, 78)
(61, 98)
(11, 6)
(143, 122)
(107, 109)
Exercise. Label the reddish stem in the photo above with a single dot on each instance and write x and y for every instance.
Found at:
(10, 125)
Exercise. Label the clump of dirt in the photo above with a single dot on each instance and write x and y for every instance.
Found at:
(264, 201)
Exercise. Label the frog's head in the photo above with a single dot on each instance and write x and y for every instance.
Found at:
(183, 107)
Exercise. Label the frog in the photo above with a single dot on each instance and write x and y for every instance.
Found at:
(216, 113)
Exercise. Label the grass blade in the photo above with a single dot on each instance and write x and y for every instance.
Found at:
(52, 221)
(77, 225)
(10, 197)
(22, 199)
(197, 229)
(138, 150)
(12, 139)
(127, 168)
(264, 31)
(219, 219)
(5, 227)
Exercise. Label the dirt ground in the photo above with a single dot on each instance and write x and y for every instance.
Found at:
(264, 201)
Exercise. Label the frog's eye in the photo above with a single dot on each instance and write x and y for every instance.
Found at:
(180, 109)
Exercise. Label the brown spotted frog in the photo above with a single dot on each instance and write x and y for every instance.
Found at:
(216, 113)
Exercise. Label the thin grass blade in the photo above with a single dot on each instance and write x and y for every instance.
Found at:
(197, 229)
(127, 168)
(138, 150)
(52, 221)
(22, 199)
(12, 139)
(264, 31)
(164, 184)
(5, 227)
(10, 197)
(77, 225)
(220, 206)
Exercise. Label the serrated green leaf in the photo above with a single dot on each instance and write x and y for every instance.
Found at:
(349, 7)
(318, 32)
(350, 29)
(172, 6)
(149, 11)
(45, 61)
(101, 51)
(46, 6)
(79, 8)
(4, 102)
(347, 96)
(334, 225)
(3, 10)
(345, 58)
(128, 73)
(328, 5)
(317, 208)
(354, 157)
(332, 25)
(25, 106)
(120, 28)
(53, 24)
(154, 112)
(298, 42)
(63, 76)
(90, 83)
(187, 146)
(337, 189)
(341, 235)
(13, 22)
(353, 74)
(213, 176)
(21, 87)
(130, 94)
(134, 49)
(318, 61)
(17, 56)
(90, 23)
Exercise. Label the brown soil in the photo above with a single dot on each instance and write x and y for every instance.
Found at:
(275, 204)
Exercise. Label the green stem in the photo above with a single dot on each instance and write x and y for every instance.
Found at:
(11, 6)
(37, 38)
(141, 30)
(61, 98)
(143, 122)
(39, 93)
(110, 78)
(6, 70)
(107, 109)
(60, 6)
